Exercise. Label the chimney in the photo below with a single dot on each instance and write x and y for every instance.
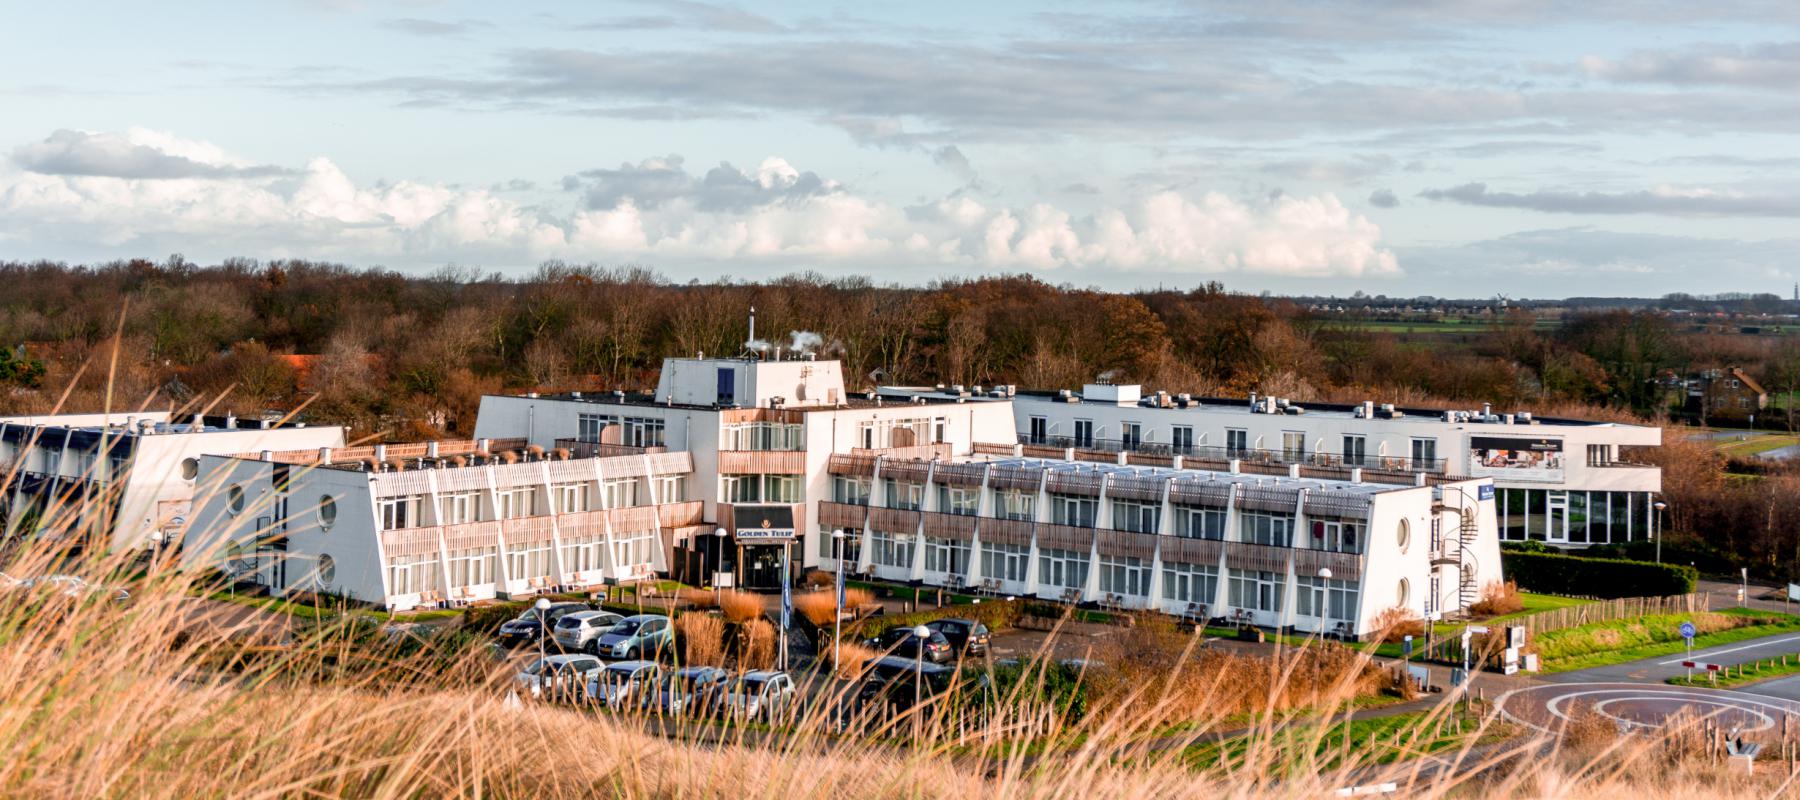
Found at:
(381, 452)
(431, 449)
(230, 421)
(482, 445)
(752, 336)
(325, 455)
(199, 422)
(268, 455)
(1356, 474)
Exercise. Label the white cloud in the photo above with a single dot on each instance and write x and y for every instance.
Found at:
(775, 217)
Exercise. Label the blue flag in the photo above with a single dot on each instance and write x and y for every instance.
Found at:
(787, 591)
(840, 585)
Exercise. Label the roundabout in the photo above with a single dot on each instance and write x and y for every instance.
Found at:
(1549, 707)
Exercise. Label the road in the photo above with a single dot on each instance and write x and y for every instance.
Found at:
(1660, 668)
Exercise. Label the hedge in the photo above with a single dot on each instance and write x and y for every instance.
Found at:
(996, 614)
(1551, 573)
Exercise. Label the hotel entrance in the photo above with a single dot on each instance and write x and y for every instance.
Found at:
(765, 538)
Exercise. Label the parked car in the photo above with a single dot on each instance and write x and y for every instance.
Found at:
(968, 636)
(526, 629)
(689, 691)
(633, 637)
(70, 586)
(622, 682)
(557, 674)
(902, 642)
(581, 631)
(889, 683)
(758, 694)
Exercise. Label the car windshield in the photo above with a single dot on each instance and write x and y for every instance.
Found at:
(627, 627)
(568, 622)
(536, 668)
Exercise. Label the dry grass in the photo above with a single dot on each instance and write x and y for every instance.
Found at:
(819, 608)
(698, 598)
(1498, 598)
(1397, 623)
(703, 639)
(741, 606)
(851, 658)
(756, 645)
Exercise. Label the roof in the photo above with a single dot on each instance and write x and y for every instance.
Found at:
(1240, 405)
(1749, 382)
(1202, 475)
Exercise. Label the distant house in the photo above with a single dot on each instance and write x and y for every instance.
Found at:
(1728, 393)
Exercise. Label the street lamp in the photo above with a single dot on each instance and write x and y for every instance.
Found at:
(922, 635)
(542, 605)
(1656, 527)
(719, 535)
(837, 620)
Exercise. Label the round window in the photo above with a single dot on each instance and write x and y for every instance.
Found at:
(327, 512)
(327, 571)
(1405, 592)
(234, 499)
(190, 467)
(1403, 534)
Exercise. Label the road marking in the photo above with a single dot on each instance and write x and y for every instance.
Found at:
(1751, 646)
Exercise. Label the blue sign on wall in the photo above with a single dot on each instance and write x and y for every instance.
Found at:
(1487, 491)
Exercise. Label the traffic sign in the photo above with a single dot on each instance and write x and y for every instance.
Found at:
(1687, 630)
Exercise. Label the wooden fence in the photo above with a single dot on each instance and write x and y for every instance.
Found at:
(1449, 648)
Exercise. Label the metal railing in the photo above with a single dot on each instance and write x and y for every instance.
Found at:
(581, 448)
(1244, 454)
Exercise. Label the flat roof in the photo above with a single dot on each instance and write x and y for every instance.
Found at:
(1409, 415)
(1171, 473)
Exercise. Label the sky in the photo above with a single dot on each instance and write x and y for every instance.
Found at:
(1458, 148)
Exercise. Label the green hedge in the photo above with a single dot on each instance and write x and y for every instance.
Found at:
(996, 614)
(488, 619)
(1551, 573)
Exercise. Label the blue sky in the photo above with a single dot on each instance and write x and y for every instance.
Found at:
(1459, 148)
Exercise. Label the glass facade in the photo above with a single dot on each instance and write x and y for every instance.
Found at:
(1574, 518)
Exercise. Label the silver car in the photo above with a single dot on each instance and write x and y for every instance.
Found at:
(579, 632)
(557, 674)
(622, 682)
(758, 694)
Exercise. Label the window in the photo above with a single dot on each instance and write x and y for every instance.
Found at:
(326, 572)
(940, 430)
(234, 499)
(1004, 562)
(767, 436)
(1293, 446)
(327, 512)
(949, 556)
(1424, 453)
(458, 508)
(1328, 598)
(589, 427)
(1062, 568)
(1256, 590)
(583, 553)
(1084, 433)
(1355, 450)
(1131, 435)
(910, 496)
(528, 561)
(1266, 527)
(669, 488)
(761, 488)
(850, 489)
(1039, 430)
(1181, 438)
(413, 574)
(474, 566)
(1599, 455)
(886, 433)
(1072, 510)
(1126, 575)
(569, 498)
(1237, 442)
(190, 467)
(1189, 583)
(1135, 517)
(635, 549)
(1015, 504)
(620, 492)
(519, 502)
(959, 500)
(1337, 536)
(1200, 523)
(642, 432)
(1435, 591)
(401, 512)
(890, 550)
(1403, 592)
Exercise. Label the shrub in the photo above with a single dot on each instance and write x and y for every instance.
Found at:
(1397, 623)
(820, 579)
(487, 619)
(756, 645)
(1498, 598)
(1595, 577)
(741, 606)
(996, 614)
(852, 657)
(698, 598)
(702, 639)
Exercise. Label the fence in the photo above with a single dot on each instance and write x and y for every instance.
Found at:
(1449, 649)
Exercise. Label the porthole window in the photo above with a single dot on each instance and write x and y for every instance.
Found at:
(327, 512)
(190, 468)
(1403, 534)
(1405, 592)
(234, 499)
(327, 571)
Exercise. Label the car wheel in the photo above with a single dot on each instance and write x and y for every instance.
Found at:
(631, 654)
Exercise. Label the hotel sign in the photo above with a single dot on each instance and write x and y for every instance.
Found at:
(1516, 458)
(763, 523)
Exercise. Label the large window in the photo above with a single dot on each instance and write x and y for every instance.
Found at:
(1040, 430)
(1181, 438)
(1337, 535)
(850, 489)
(1355, 450)
(569, 498)
(401, 512)
(761, 488)
(519, 502)
(528, 561)
(1126, 575)
(1015, 504)
(588, 427)
(474, 566)
(459, 507)
(949, 556)
(889, 550)
(777, 436)
(1266, 527)
(584, 553)
(1255, 590)
(1189, 583)
(634, 549)
(620, 492)
(1237, 442)
(1004, 562)
(1329, 598)
(1293, 446)
(1424, 453)
(413, 574)
(1084, 433)
(1135, 517)
(1131, 435)
(643, 432)
(669, 488)
(959, 500)
(878, 434)
(1073, 510)
(1062, 568)
(900, 494)
(1200, 523)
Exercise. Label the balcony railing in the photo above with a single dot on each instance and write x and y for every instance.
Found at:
(1244, 454)
(581, 448)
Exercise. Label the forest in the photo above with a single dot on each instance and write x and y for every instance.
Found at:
(402, 356)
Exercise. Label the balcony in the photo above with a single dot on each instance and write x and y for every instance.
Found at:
(762, 462)
(1051, 447)
(581, 448)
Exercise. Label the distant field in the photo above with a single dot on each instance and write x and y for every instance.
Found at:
(1436, 326)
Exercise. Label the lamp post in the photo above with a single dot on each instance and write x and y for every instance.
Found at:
(719, 535)
(837, 620)
(542, 605)
(921, 635)
(1656, 527)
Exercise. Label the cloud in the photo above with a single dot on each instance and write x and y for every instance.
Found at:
(1590, 261)
(1352, 170)
(953, 161)
(1773, 66)
(137, 153)
(655, 210)
(431, 27)
(1384, 198)
(1661, 200)
(690, 15)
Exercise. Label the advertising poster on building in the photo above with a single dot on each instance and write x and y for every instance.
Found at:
(764, 523)
(1517, 459)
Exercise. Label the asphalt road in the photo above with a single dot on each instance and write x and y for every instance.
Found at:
(1655, 670)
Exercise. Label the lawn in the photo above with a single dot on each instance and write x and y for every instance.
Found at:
(1753, 443)
(1619, 641)
(279, 605)
(1379, 740)
(1742, 674)
(1533, 604)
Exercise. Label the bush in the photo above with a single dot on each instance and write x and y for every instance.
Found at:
(740, 606)
(702, 639)
(1498, 598)
(487, 619)
(1637, 632)
(756, 645)
(996, 614)
(1552, 573)
(1397, 623)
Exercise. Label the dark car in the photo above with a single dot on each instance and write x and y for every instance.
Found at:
(902, 643)
(527, 628)
(691, 691)
(889, 683)
(966, 635)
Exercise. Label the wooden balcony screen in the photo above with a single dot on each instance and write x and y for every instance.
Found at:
(845, 464)
(949, 526)
(1076, 482)
(1191, 551)
(679, 515)
(526, 530)
(1344, 505)
(1343, 566)
(908, 471)
(959, 474)
(833, 516)
(1269, 498)
(1126, 543)
(634, 519)
(1006, 531)
(1131, 487)
(762, 462)
(472, 535)
(1065, 537)
(894, 520)
(1266, 558)
(1017, 478)
(410, 541)
(1206, 494)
